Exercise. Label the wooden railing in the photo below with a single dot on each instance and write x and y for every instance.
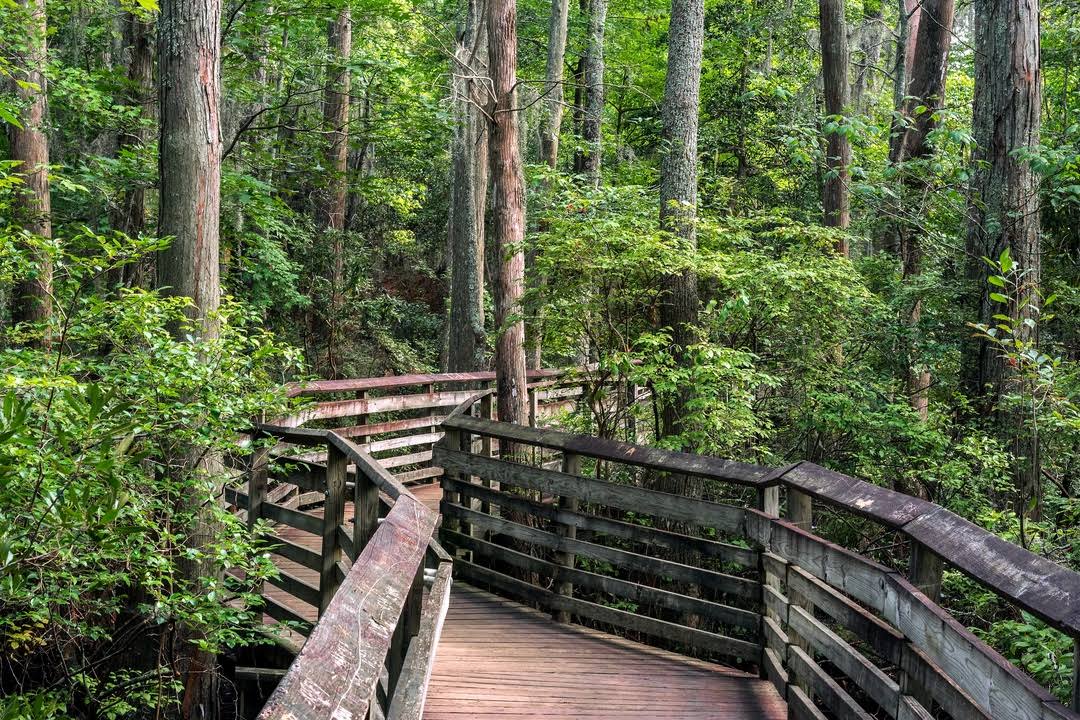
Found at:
(377, 580)
(838, 634)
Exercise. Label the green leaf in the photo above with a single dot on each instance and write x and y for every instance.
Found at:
(998, 297)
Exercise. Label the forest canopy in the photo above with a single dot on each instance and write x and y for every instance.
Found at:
(839, 231)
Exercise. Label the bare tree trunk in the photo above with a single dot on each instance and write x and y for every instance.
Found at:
(594, 81)
(32, 297)
(1003, 211)
(678, 180)
(129, 217)
(926, 90)
(871, 37)
(189, 96)
(468, 198)
(836, 196)
(331, 211)
(556, 63)
(508, 213)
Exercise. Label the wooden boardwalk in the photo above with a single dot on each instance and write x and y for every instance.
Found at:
(499, 659)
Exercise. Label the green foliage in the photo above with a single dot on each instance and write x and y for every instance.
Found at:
(92, 526)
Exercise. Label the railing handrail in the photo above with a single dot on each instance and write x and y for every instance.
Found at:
(386, 382)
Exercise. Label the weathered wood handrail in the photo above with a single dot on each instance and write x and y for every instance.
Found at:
(938, 664)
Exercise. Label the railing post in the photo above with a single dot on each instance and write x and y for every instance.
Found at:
(407, 627)
(800, 509)
(486, 450)
(800, 512)
(260, 465)
(924, 570)
(365, 511)
(571, 465)
(362, 419)
(1076, 676)
(534, 407)
(452, 441)
(337, 465)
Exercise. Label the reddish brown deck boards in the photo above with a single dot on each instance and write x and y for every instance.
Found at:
(498, 659)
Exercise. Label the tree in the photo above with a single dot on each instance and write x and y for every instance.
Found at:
(678, 179)
(507, 212)
(836, 196)
(556, 63)
(592, 119)
(189, 96)
(468, 196)
(129, 216)
(30, 147)
(1003, 211)
(871, 38)
(332, 204)
(919, 116)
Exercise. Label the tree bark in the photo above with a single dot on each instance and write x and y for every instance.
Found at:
(1003, 211)
(926, 89)
(508, 213)
(468, 198)
(592, 119)
(678, 181)
(32, 297)
(129, 216)
(556, 63)
(332, 205)
(189, 96)
(836, 197)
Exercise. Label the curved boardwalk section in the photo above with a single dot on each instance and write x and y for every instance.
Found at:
(499, 659)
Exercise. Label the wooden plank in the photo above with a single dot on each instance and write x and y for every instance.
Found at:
(282, 613)
(862, 498)
(619, 618)
(614, 450)
(910, 709)
(720, 582)
(319, 387)
(403, 460)
(412, 688)
(337, 672)
(293, 518)
(390, 426)
(921, 672)
(866, 676)
(801, 706)
(642, 594)
(654, 537)
(571, 465)
(296, 587)
(886, 641)
(388, 403)
(424, 473)
(834, 697)
(260, 460)
(333, 517)
(297, 553)
(990, 680)
(403, 441)
(774, 671)
(725, 518)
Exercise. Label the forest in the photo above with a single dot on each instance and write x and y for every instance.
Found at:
(842, 231)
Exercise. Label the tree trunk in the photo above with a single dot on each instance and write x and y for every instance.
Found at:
(129, 216)
(836, 197)
(189, 95)
(871, 37)
(32, 297)
(508, 213)
(926, 89)
(468, 198)
(556, 62)
(1003, 211)
(594, 83)
(332, 204)
(678, 180)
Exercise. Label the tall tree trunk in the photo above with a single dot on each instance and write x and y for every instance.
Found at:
(871, 37)
(189, 95)
(594, 83)
(678, 180)
(468, 198)
(508, 213)
(836, 196)
(331, 211)
(32, 297)
(1003, 211)
(556, 63)
(129, 216)
(926, 91)
(580, 99)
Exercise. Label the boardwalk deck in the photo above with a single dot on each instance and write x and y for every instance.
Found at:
(499, 659)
